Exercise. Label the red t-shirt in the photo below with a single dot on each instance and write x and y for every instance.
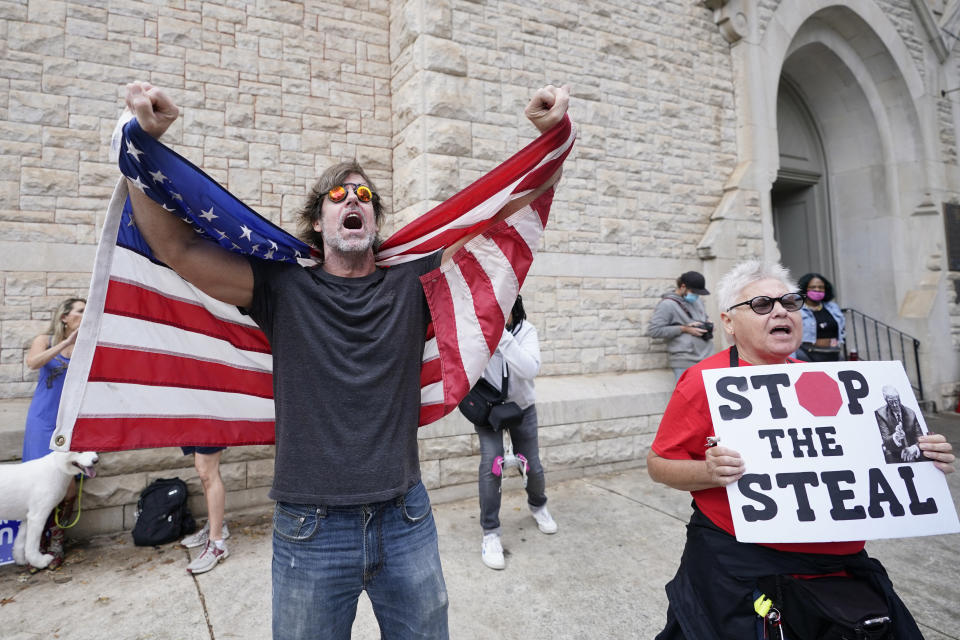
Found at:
(682, 433)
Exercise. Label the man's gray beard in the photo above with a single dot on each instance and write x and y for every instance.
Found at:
(340, 245)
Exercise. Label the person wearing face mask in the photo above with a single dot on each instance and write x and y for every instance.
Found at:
(823, 321)
(681, 320)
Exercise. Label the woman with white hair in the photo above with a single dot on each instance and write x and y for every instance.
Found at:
(713, 592)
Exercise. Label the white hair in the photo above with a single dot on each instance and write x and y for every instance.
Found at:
(732, 284)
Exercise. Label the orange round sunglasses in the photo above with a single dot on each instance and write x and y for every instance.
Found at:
(339, 193)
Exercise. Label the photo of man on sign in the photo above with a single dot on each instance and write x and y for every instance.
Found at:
(899, 429)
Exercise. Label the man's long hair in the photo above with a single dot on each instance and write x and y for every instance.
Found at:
(311, 210)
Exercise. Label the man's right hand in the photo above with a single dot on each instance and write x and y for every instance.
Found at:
(898, 435)
(548, 106)
(154, 109)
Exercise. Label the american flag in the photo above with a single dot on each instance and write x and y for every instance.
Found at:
(159, 363)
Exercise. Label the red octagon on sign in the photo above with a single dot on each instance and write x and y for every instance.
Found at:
(818, 393)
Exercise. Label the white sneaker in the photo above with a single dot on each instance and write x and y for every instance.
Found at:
(545, 521)
(208, 558)
(492, 551)
(200, 538)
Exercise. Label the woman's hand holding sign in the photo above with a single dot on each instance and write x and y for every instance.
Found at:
(724, 465)
(935, 447)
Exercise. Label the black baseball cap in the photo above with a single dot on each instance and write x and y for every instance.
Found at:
(695, 283)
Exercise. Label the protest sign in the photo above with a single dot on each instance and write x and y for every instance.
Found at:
(830, 453)
(8, 533)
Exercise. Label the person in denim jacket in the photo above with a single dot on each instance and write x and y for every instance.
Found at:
(823, 321)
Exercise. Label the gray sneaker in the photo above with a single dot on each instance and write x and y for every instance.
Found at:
(208, 558)
(200, 538)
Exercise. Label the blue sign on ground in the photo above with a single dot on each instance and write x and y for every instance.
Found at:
(8, 533)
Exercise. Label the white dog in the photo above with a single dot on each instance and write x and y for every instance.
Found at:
(29, 491)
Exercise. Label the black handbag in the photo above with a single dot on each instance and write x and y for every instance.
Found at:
(826, 608)
(810, 352)
(485, 406)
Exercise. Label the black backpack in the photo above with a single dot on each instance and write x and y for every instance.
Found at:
(162, 513)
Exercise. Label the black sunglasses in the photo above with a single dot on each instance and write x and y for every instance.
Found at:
(764, 304)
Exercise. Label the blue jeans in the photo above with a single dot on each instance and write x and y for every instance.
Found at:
(524, 439)
(324, 556)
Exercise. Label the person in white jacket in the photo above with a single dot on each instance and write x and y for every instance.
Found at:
(520, 348)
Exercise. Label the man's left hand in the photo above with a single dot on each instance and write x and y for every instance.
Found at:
(910, 454)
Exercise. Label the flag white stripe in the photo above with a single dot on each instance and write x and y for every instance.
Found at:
(430, 350)
(431, 393)
(144, 335)
(130, 266)
(74, 383)
(528, 224)
(474, 352)
(111, 399)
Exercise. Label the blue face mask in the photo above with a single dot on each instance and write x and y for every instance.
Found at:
(690, 297)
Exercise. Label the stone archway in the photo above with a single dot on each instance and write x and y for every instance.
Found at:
(873, 149)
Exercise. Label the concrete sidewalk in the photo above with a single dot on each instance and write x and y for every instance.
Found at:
(600, 577)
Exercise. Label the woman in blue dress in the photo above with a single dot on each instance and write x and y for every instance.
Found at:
(50, 353)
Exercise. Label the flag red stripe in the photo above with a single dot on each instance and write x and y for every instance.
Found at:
(430, 372)
(430, 413)
(542, 206)
(132, 301)
(143, 432)
(446, 238)
(440, 301)
(112, 364)
(539, 175)
(485, 306)
(515, 248)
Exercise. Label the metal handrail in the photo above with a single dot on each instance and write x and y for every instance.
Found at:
(861, 345)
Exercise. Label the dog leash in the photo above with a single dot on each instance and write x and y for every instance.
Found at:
(56, 512)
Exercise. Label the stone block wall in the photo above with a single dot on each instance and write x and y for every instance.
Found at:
(428, 96)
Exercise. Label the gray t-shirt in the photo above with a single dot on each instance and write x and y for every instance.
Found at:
(346, 379)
